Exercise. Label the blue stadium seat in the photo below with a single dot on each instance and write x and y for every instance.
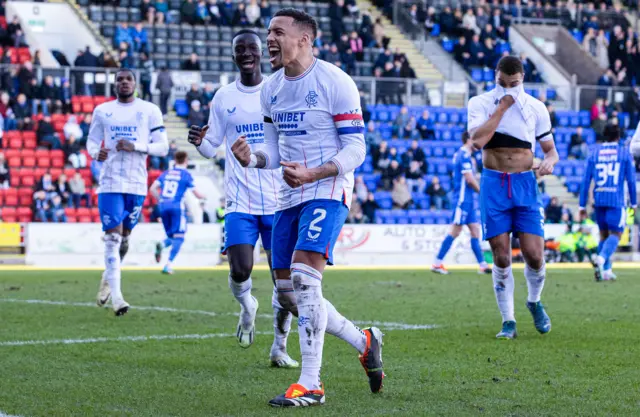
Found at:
(551, 94)
(577, 35)
(181, 107)
(435, 31)
(443, 117)
(447, 45)
(585, 118)
(488, 75)
(476, 74)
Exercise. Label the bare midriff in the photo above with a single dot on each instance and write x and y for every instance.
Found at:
(509, 160)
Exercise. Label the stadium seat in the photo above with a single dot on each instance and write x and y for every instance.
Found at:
(24, 214)
(11, 197)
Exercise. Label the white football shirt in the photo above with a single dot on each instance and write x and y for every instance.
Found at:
(526, 120)
(235, 111)
(316, 115)
(124, 172)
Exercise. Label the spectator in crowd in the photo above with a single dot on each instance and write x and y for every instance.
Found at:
(22, 113)
(191, 64)
(202, 13)
(414, 177)
(599, 125)
(357, 45)
(62, 189)
(461, 53)
(389, 175)
(501, 23)
(14, 26)
(415, 153)
(107, 60)
(188, 12)
(78, 190)
(56, 210)
(589, 42)
(50, 96)
(72, 154)
(617, 47)
(356, 215)
(162, 9)
(5, 175)
(148, 11)
(124, 56)
(372, 137)
(65, 96)
(265, 13)
(196, 116)
(6, 112)
(46, 134)
(34, 96)
(369, 207)
(602, 47)
(400, 195)
(146, 73)
(360, 188)
(481, 18)
(552, 114)
(194, 94)
(139, 38)
(72, 128)
(401, 120)
(349, 62)
(469, 23)
(381, 41)
(207, 96)
(531, 74)
(214, 17)
(578, 147)
(553, 212)
(162, 162)
(606, 80)
(333, 54)
(40, 206)
(122, 34)
(336, 16)
(437, 194)
(240, 16)
(227, 12)
(252, 11)
(380, 156)
(85, 125)
(164, 84)
(597, 109)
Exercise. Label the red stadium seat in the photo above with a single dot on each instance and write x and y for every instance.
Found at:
(12, 153)
(27, 152)
(10, 219)
(76, 107)
(29, 161)
(55, 173)
(15, 181)
(83, 212)
(56, 153)
(11, 198)
(95, 211)
(58, 117)
(69, 172)
(27, 179)
(70, 211)
(57, 162)
(39, 172)
(87, 107)
(72, 219)
(84, 219)
(24, 214)
(58, 126)
(30, 143)
(15, 162)
(98, 100)
(96, 218)
(15, 143)
(29, 135)
(44, 161)
(1, 200)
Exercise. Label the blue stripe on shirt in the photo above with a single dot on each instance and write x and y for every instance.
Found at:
(349, 130)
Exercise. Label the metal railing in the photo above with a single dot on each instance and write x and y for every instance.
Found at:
(100, 81)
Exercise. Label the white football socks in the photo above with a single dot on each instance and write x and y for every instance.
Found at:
(535, 282)
(242, 292)
(281, 326)
(112, 243)
(312, 322)
(503, 286)
(339, 326)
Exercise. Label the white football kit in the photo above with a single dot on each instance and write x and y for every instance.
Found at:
(140, 122)
(235, 111)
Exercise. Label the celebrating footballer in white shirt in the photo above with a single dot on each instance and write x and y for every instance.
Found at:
(313, 127)
(251, 193)
(122, 133)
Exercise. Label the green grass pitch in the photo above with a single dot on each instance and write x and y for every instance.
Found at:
(586, 366)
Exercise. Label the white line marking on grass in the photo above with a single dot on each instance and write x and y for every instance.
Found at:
(7, 415)
(118, 339)
(384, 325)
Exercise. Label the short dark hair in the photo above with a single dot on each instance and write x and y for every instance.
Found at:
(465, 137)
(245, 31)
(180, 157)
(510, 65)
(133, 74)
(300, 18)
(612, 133)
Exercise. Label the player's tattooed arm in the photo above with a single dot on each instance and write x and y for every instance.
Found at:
(481, 135)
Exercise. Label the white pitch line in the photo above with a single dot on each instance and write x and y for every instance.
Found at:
(384, 325)
(118, 339)
(7, 415)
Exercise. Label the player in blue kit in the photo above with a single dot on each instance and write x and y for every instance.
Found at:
(169, 189)
(464, 214)
(610, 165)
(506, 123)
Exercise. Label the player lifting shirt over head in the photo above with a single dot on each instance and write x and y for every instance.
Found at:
(506, 123)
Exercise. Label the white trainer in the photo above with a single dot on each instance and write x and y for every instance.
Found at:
(282, 360)
(120, 307)
(247, 325)
(104, 293)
